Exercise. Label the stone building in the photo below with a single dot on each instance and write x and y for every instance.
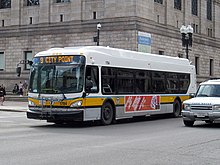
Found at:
(30, 26)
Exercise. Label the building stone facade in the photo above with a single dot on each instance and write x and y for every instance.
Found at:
(44, 24)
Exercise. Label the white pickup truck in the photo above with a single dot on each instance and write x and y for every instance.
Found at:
(205, 106)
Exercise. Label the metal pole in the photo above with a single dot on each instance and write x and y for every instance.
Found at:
(98, 37)
(187, 48)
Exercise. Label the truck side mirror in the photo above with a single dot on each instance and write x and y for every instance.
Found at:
(18, 71)
(192, 95)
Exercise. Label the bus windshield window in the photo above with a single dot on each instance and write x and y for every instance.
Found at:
(56, 78)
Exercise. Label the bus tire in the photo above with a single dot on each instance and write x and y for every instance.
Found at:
(176, 108)
(106, 114)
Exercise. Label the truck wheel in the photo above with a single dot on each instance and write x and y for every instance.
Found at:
(58, 122)
(176, 108)
(188, 123)
(106, 114)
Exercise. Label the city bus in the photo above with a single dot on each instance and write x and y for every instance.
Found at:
(95, 83)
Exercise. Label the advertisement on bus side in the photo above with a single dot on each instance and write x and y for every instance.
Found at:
(142, 103)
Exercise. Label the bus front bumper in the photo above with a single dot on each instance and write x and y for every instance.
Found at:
(55, 114)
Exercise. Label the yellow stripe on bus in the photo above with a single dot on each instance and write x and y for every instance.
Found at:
(98, 101)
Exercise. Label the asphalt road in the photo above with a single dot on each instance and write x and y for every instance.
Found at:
(156, 141)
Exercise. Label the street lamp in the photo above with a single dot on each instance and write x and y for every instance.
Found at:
(186, 37)
(96, 38)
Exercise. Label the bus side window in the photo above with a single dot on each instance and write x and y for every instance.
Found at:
(107, 88)
(92, 80)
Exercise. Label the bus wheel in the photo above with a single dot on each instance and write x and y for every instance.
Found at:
(176, 108)
(106, 114)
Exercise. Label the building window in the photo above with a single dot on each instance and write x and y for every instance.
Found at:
(61, 1)
(211, 67)
(159, 1)
(195, 28)
(94, 15)
(195, 7)
(5, 4)
(61, 17)
(209, 31)
(197, 65)
(2, 61)
(161, 52)
(31, 21)
(32, 2)
(3, 23)
(158, 18)
(27, 56)
(209, 10)
(177, 4)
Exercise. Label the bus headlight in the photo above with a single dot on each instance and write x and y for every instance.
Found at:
(76, 104)
(186, 107)
(31, 103)
(216, 107)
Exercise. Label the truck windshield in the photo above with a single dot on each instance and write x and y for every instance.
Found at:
(57, 78)
(208, 91)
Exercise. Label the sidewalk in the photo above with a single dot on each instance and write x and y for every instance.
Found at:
(15, 106)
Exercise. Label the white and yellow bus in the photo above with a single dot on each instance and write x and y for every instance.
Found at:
(106, 84)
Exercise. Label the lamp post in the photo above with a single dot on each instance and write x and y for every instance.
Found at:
(186, 37)
(96, 38)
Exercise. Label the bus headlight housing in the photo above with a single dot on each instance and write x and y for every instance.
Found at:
(216, 107)
(76, 104)
(186, 107)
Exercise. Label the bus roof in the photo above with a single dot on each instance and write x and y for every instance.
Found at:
(106, 56)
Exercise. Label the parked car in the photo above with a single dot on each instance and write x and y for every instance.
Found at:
(205, 106)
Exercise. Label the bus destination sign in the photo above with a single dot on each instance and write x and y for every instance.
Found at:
(56, 59)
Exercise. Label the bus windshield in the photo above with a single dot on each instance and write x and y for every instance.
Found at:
(57, 78)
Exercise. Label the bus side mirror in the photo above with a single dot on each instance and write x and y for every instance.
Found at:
(18, 71)
(84, 95)
(30, 63)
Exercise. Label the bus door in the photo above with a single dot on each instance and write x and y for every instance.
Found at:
(91, 101)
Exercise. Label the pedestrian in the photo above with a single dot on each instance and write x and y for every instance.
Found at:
(24, 87)
(20, 88)
(2, 94)
(16, 89)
